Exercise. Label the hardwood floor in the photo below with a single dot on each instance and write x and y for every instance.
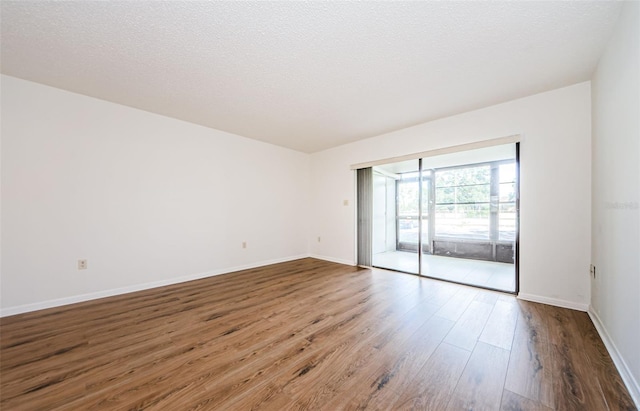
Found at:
(307, 334)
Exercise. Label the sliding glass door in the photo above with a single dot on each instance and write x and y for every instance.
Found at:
(452, 217)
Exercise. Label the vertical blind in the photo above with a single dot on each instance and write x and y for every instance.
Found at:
(365, 216)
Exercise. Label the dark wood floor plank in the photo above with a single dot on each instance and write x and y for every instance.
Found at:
(342, 333)
(456, 306)
(514, 402)
(611, 384)
(530, 368)
(359, 369)
(379, 383)
(500, 327)
(253, 365)
(125, 359)
(482, 381)
(307, 334)
(468, 328)
(434, 383)
(349, 350)
(575, 384)
(489, 297)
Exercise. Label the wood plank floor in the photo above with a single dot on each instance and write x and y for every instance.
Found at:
(307, 334)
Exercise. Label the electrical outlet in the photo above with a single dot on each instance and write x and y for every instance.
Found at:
(82, 264)
(244, 244)
(345, 202)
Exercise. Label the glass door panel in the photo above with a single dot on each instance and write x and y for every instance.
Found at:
(396, 216)
(472, 218)
(426, 211)
(408, 211)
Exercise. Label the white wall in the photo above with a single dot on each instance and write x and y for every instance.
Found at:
(555, 185)
(150, 200)
(616, 196)
(146, 199)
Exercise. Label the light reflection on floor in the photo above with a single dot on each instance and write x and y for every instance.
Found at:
(500, 276)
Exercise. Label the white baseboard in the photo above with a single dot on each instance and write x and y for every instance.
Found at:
(621, 365)
(554, 301)
(5, 312)
(333, 260)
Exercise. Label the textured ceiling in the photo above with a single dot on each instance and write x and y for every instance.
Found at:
(305, 75)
